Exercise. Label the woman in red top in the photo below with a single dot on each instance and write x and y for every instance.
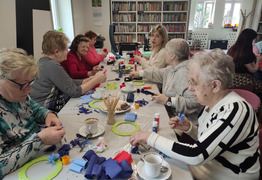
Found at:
(92, 58)
(75, 64)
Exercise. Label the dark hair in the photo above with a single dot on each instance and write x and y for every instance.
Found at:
(90, 34)
(77, 40)
(242, 49)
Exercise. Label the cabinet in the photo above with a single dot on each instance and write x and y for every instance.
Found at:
(259, 29)
(133, 19)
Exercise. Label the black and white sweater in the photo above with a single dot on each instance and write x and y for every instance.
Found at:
(227, 142)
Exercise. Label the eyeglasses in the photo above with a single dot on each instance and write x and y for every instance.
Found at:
(191, 83)
(23, 86)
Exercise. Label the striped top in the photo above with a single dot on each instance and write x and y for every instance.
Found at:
(227, 142)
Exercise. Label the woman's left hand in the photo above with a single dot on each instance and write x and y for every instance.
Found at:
(139, 137)
(160, 98)
(52, 120)
(137, 58)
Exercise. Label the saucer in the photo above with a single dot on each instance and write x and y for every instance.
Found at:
(141, 171)
(94, 96)
(100, 130)
(125, 90)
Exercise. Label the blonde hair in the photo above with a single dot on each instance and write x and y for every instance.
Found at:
(13, 59)
(179, 48)
(53, 40)
(162, 32)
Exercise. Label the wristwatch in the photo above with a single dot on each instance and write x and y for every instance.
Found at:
(169, 102)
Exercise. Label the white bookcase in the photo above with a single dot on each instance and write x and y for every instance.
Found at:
(133, 19)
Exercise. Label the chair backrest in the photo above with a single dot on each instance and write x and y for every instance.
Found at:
(112, 40)
(250, 97)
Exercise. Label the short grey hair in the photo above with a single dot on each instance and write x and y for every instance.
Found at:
(215, 65)
(179, 48)
(13, 59)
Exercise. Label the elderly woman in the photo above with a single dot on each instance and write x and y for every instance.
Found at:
(226, 139)
(174, 80)
(92, 58)
(158, 39)
(20, 138)
(54, 87)
(75, 64)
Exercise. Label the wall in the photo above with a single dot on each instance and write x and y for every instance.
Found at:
(218, 32)
(8, 23)
(83, 19)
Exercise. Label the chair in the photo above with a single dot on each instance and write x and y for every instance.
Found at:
(112, 40)
(250, 97)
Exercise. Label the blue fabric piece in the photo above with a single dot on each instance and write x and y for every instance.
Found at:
(134, 150)
(101, 160)
(127, 169)
(76, 168)
(112, 169)
(130, 117)
(89, 154)
(52, 158)
(181, 116)
(64, 150)
(87, 98)
(93, 160)
(80, 162)
(97, 170)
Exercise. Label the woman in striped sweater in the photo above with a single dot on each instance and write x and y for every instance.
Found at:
(226, 139)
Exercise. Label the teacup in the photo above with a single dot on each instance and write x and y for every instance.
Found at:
(91, 125)
(100, 92)
(152, 164)
(129, 86)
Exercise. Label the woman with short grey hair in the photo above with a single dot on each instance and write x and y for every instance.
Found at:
(174, 79)
(20, 136)
(226, 139)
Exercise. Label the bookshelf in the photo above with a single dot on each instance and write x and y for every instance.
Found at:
(133, 19)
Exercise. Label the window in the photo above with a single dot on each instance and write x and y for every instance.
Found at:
(204, 14)
(231, 13)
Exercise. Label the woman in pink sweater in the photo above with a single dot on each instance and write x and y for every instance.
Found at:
(92, 58)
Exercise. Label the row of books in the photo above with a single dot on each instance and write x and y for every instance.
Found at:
(149, 18)
(181, 17)
(174, 6)
(125, 28)
(125, 38)
(175, 28)
(172, 36)
(124, 18)
(124, 6)
(149, 6)
(144, 28)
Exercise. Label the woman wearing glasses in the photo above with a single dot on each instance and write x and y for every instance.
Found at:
(158, 39)
(20, 138)
(175, 94)
(226, 139)
(54, 86)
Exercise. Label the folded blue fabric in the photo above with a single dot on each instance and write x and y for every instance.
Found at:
(97, 170)
(130, 117)
(101, 160)
(93, 160)
(75, 167)
(80, 162)
(127, 169)
(112, 169)
(88, 154)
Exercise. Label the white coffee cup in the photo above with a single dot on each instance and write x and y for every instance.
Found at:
(100, 92)
(129, 86)
(152, 164)
(91, 125)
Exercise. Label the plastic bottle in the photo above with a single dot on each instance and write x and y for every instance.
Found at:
(157, 115)
(154, 126)
(135, 66)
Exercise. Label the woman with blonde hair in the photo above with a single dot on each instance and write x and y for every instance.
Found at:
(158, 39)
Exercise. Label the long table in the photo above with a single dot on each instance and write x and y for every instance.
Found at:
(73, 121)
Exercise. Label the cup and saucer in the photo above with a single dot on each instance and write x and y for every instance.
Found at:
(99, 93)
(92, 126)
(141, 170)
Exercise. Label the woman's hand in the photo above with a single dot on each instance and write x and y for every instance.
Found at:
(100, 78)
(160, 98)
(138, 138)
(51, 135)
(104, 53)
(134, 74)
(176, 123)
(137, 58)
(52, 120)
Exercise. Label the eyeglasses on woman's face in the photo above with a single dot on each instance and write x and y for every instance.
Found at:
(193, 83)
(24, 85)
